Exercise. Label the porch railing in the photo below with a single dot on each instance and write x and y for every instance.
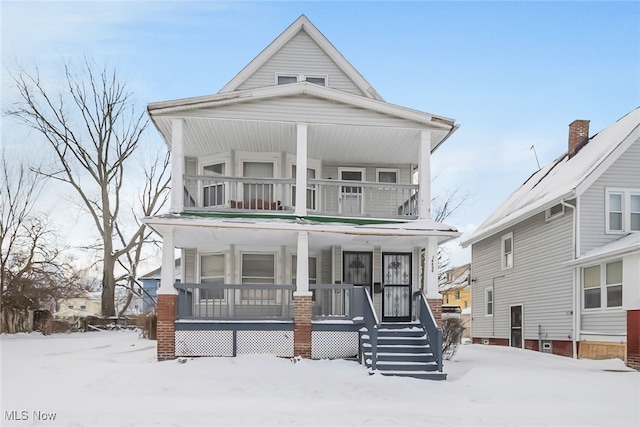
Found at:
(372, 325)
(357, 198)
(425, 316)
(214, 193)
(254, 302)
(234, 302)
(333, 301)
(324, 196)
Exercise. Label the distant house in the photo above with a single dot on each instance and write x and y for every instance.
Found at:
(81, 306)
(300, 227)
(150, 284)
(455, 286)
(557, 266)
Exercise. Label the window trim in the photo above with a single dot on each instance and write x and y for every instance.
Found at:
(224, 275)
(486, 301)
(603, 287)
(503, 261)
(625, 194)
(301, 77)
(548, 216)
(396, 171)
(276, 298)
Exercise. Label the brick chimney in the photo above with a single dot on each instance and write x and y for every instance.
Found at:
(578, 136)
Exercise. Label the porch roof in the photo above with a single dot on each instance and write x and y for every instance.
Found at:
(342, 126)
(213, 232)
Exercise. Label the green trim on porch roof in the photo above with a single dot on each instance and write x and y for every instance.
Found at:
(326, 219)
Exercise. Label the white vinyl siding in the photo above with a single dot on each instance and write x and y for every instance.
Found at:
(301, 55)
(539, 276)
(623, 174)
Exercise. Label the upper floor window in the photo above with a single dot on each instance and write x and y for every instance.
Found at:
(283, 79)
(602, 285)
(622, 211)
(507, 251)
(213, 190)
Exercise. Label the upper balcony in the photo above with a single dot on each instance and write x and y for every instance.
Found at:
(278, 195)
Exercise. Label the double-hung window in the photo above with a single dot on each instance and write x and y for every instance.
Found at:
(507, 251)
(602, 285)
(622, 210)
(213, 193)
(488, 301)
(311, 189)
(211, 273)
(258, 269)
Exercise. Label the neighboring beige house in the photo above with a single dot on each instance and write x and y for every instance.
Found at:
(455, 287)
(79, 306)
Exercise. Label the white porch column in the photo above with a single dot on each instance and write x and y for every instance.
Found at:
(168, 272)
(430, 276)
(302, 273)
(424, 175)
(177, 166)
(301, 172)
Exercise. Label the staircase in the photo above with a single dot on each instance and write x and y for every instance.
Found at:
(403, 350)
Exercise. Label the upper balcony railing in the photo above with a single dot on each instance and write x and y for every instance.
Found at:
(324, 196)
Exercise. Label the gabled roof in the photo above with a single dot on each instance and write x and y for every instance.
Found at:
(460, 278)
(623, 246)
(562, 179)
(303, 24)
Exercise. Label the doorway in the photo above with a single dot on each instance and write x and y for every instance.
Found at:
(516, 338)
(396, 300)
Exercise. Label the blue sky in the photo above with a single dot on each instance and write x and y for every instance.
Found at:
(512, 74)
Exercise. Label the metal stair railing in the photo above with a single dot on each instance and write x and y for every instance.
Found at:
(428, 322)
(372, 324)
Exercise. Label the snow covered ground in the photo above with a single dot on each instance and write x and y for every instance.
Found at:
(112, 379)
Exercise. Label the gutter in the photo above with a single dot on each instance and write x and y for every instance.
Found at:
(574, 288)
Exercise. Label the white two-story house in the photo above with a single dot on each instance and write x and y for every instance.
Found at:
(300, 207)
(556, 267)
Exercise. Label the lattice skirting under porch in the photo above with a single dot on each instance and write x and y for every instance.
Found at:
(334, 344)
(221, 343)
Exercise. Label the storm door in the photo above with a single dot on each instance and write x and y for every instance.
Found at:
(351, 196)
(357, 269)
(517, 337)
(396, 301)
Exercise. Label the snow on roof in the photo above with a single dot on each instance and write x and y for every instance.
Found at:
(559, 179)
(460, 278)
(624, 245)
(155, 274)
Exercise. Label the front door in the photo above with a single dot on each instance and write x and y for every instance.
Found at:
(351, 196)
(517, 336)
(358, 270)
(396, 273)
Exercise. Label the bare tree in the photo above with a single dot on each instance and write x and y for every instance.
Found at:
(94, 129)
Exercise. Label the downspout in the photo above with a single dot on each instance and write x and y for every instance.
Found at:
(574, 249)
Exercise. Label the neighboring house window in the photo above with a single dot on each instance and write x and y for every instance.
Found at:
(554, 211)
(602, 285)
(623, 211)
(465, 304)
(457, 294)
(70, 306)
(212, 272)
(488, 301)
(258, 269)
(82, 307)
(507, 251)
